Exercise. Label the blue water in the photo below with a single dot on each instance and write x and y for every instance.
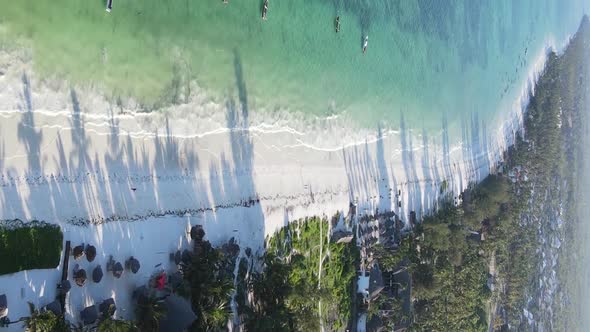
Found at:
(426, 59)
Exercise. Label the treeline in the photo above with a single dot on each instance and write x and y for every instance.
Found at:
(450, 271)
(574, 86)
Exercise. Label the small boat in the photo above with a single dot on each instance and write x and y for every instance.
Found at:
(365, 44)
(337, 23)
(264, 9)
(109, 5)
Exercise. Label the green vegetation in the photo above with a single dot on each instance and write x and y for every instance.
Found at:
(35, 245)
(149, 311)
(210, 278)
(44, 321)
(450, 271)
(116, 325)
(574, 83)
(307, 281)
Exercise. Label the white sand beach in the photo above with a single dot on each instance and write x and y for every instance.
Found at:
(133, 183)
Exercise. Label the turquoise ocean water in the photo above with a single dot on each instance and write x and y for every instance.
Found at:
(425, 58)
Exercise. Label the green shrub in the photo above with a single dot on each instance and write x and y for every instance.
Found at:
(35, 245)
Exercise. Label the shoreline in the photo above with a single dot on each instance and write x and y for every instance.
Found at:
(83, 164)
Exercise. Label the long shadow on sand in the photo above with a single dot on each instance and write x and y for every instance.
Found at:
(135, 179)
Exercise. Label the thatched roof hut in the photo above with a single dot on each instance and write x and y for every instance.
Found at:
(54, 307)
(117, 270)
(97, 274)
(80, 277)
(197, 233)
(107, 307)
(78, 251)
(89, 315)
(64, 287)
(132, 264)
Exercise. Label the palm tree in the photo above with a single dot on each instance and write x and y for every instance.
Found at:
(215, 316)
(44, 321)
(149, 310)
(212, 306)
(116, 325)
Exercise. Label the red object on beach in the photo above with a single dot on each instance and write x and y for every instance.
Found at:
(161, 281)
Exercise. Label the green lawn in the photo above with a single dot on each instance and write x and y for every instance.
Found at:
(35, 246)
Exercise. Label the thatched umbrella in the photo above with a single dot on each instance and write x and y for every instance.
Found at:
(197, 233)
(80, 277)
(132, 264)
(89, 315)
(54, 307)
(3, 305)
(78, 251)
(117, 270)
(107, 307)
(90, 253)
(64, 287)
(97, 274)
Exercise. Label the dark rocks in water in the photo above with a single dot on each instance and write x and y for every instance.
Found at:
(90, 253)
(78, 251)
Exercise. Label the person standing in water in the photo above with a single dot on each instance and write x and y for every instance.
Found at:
(365, 44)
(337, 23)
(264, 9)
